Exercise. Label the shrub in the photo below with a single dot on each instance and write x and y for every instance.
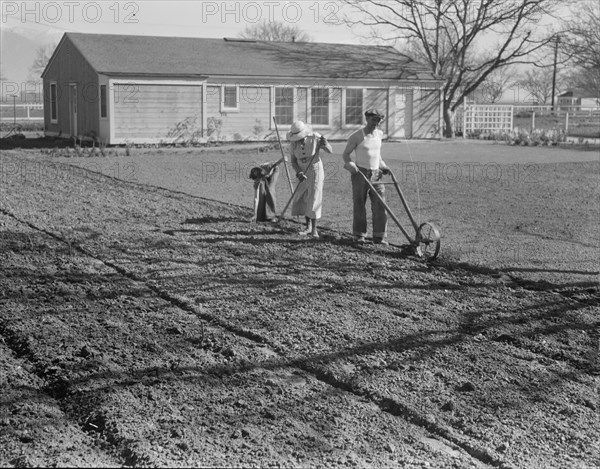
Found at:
(214, 128)
(521, 137)
(186, 132)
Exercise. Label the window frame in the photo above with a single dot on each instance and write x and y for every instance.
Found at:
(346, 124)
(293, 104)
(237, 98)
(103, 101)
(310, 107)
(53, 98)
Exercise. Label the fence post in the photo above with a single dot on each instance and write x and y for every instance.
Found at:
(532, 121)
(567, 122)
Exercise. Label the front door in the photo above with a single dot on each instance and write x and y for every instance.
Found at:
(408, 115)
(73, 109)
(403, 107)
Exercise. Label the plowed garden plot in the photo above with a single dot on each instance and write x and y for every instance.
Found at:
(147, 323)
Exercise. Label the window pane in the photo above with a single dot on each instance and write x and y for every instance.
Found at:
(102, 100)
(319, 104)
(284, 105)
(53, 111)
(354, 106)
(230, 97)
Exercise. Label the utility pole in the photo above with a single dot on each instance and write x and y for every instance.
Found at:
(557, 40)
(14, 97)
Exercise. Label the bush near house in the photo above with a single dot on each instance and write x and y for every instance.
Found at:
(22, 126)
(522, 137)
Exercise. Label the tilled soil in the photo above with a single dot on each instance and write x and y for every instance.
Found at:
(146, 327)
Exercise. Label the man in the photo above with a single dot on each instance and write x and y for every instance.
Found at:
(366, 144)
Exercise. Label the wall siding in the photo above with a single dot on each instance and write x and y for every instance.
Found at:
(149, 111)
(69, 66)
(426, 113)
(253, 120)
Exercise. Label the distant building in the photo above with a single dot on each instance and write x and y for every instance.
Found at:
(145, 89)
(576, 100)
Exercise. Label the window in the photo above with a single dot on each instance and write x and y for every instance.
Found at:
(53, 103)
(319, 106)
(354, 106)
(103, 100)
(229, 98)
(284, 105)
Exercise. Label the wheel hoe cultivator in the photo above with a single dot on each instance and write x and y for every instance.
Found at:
(426, 241)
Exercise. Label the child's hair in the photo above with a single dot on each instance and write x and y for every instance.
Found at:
(257, 173)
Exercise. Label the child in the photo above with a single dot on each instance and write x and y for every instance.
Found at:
(265, 178)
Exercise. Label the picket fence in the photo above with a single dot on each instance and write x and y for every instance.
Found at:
(22, 112)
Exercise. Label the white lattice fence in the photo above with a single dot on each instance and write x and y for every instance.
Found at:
(487, 118)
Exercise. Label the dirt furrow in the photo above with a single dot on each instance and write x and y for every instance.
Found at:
(501, 371)
(179, 395)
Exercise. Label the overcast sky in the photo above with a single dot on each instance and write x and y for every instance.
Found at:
(320, 19)
(44, 22)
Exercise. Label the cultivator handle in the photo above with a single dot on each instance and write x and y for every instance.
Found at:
(408, 212)
(426, 243)
(387, 208)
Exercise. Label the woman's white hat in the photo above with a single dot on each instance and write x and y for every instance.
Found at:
(298, 131)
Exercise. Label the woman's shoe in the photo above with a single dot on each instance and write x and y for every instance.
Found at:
(304, 232)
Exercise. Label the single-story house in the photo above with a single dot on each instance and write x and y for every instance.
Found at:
(147, 89)
(576, 100)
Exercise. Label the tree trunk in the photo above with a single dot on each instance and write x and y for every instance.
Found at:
(448, 121)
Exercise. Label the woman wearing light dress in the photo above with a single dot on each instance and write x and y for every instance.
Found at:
(305, 146)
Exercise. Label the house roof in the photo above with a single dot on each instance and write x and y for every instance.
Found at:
(167, 56)
(578, 93)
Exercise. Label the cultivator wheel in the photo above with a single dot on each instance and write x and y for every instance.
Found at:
(427, 243)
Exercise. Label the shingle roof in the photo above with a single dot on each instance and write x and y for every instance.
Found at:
(578, 93)
(157, 55)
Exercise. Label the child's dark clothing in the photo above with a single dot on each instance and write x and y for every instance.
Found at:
(264, 186)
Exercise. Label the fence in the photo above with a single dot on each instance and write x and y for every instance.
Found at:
(22, 112)
(487, 118)
(575, 110)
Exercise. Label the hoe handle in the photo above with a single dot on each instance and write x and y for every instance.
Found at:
(309, 167)
(287, 171)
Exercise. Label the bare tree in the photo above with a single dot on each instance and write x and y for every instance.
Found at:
(495, 85)
(42, 57)
(450, 35)
(535, 86)
(581, 43)
(274, 31)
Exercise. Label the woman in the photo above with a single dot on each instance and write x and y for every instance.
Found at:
(304, 149)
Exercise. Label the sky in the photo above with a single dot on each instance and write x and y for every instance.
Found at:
(193, 18)
(35, 23)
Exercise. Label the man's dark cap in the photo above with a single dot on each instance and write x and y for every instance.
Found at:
(374, 113)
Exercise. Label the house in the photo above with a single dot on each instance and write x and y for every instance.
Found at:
(577, 100)
(147, 89)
